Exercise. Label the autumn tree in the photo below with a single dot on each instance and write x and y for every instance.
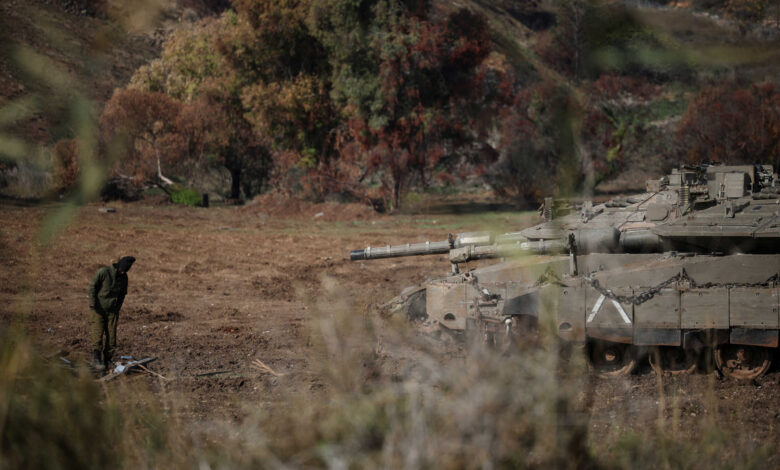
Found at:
(140, 127)
(216, 133)
(195, 73)
(331, 92)
(286, 92)
(408, 84)
(540, 151)
(732, 124)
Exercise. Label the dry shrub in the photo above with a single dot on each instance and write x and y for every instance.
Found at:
(390, 400)
(55, 417)
(732, 123)
(66, 165)
(394, 401)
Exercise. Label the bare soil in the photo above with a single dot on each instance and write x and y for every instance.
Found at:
(215, 289)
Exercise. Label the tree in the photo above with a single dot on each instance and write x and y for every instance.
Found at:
(593, 37)
(539, 147)
(258, 90)
(141, 127)
(320, 94)
(732, 124)
(272, 41)
(408, 84)
(572, 34)
(746, 12)
(195, 73)
(216, 132)
(285, 89)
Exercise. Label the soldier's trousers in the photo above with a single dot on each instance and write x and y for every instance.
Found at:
(103, 324)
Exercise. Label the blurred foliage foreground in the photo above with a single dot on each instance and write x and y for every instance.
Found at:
(484, 410)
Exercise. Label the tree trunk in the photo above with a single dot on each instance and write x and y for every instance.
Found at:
(159, 168)
(396, 194)
(235, 182)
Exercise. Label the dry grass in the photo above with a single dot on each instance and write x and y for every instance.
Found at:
(391, 400)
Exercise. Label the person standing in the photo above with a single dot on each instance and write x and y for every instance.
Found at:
(107, 292)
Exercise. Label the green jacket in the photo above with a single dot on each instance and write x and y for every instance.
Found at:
(108, 289)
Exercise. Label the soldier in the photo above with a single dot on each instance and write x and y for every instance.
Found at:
(106, 294)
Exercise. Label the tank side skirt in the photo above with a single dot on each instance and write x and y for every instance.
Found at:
(664, 315)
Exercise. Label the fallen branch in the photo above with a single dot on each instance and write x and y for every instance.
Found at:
(152, 372)
(217, 372)
(259, 365)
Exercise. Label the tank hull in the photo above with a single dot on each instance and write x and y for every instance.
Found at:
(657, 304)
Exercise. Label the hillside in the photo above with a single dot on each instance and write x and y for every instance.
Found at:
(60, 62)
(708, 45)
(48, 47)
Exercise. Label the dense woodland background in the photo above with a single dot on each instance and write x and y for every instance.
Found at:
(369, 99)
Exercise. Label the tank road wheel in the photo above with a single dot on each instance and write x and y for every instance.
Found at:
(742, 362)
(608, 359)
(673, 360)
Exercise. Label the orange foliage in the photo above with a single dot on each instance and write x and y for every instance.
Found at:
(432, 79)
(139, 129)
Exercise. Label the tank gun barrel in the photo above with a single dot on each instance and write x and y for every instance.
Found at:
(481, 245)
(397, 251)
(506, 250)
(460, 240)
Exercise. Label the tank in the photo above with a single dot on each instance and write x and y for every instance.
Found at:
(687, 273)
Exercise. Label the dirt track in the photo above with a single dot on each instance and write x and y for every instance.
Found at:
(215, 289)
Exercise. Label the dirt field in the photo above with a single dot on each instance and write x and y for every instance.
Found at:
(215, 289)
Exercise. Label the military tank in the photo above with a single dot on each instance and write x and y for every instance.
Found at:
(686, 273)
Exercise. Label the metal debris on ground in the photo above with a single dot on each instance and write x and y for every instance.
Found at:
(106, 210)
(124, 368)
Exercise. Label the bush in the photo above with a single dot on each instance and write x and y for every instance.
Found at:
(732, 124)
(65, 156)
(186, 196)
(485, 410)
(55, 417)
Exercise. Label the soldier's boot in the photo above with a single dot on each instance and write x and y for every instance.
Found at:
(97, 363)
(107, 362)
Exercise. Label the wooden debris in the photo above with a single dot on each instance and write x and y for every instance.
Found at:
(156, 374)
(216, 372)
(259, 365)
